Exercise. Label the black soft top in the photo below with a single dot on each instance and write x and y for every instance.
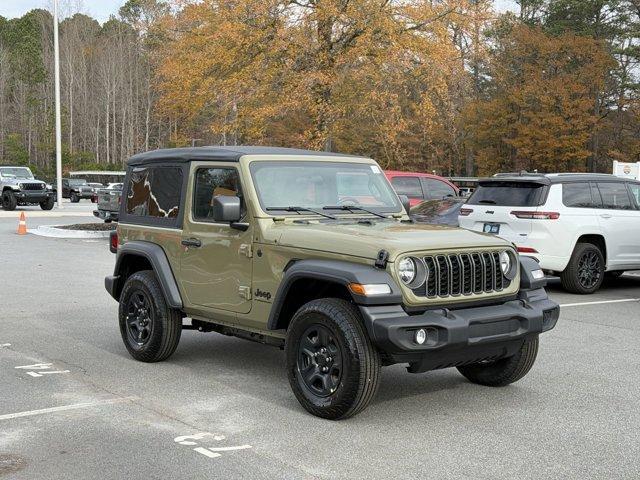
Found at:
(224, 154)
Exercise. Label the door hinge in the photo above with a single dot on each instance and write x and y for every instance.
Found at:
(245, 249)
(245, 292)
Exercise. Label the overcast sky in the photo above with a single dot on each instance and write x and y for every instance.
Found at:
(101, 9)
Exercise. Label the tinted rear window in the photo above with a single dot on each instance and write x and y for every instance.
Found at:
(577, 195)
(615, 196)
(508, 194)
(154, 192)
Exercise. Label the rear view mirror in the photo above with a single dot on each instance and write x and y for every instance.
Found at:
(405, 202)
(226, 208)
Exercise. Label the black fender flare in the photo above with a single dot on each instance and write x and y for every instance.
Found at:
(336, 271)
(527, 282)
(160, 264)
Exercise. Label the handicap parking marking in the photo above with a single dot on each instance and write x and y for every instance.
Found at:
(210, 452)
(42, 369)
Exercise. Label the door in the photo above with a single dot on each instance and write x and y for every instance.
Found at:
(619, 222)
(216, 265)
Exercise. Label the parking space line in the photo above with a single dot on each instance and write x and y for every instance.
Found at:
(600, 302)
(63, 408)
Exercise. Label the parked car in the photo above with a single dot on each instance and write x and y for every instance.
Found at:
(108, 200)
(438, 212)
(18, 186)
(76, 189)
(578, 226)
(273, 245)
(421, 186)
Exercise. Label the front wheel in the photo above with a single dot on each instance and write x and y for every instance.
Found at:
(150, 329)
(47, 204)
(9, 200)
(333, 369)
(585, 272)
(75, 198)
(505, 371)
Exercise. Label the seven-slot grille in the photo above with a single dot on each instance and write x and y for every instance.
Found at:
(33, 186)
(462, 274)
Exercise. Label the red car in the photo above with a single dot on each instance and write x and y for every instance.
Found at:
(421, 186)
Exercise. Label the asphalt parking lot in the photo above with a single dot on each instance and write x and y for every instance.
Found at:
(73, 404)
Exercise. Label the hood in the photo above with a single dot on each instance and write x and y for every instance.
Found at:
(366, 240)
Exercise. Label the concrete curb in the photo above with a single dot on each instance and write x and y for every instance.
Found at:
(55, 232)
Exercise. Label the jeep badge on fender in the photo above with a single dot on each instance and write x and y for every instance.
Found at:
(343, 280)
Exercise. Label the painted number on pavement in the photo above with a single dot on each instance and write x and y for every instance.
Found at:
(211, 452)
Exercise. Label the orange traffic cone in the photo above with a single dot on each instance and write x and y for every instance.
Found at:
(22, 225)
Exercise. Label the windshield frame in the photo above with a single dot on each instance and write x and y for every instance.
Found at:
(12, 175)
(396, 209)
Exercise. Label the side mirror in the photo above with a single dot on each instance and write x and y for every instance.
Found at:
(406, 203)
(226, 208)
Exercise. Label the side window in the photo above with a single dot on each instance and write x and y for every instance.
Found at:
(437, 189)
(615, 196)
(634, 188)
(409, 186)
(210, 183)
(154, 192)
(577, 195)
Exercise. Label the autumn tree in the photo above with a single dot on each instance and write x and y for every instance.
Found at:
(541, 113)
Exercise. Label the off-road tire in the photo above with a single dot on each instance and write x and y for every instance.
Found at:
(166, 323)
(505, 371)
(570, 277)
(360, 365)
(9, 200)
(48, 203)
(74, 197)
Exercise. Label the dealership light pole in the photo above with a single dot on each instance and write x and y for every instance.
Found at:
(56, 63)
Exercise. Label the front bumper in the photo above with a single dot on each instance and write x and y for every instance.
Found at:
(33, 196)
(456, 337)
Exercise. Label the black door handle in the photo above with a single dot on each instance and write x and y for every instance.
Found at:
(191, 242)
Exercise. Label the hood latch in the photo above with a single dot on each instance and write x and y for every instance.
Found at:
(383, 258)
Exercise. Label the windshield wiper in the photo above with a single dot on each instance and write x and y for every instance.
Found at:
(298, 210)
(351, 208)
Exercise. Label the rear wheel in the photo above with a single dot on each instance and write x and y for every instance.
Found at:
(9, 200)
(505, 371)
(333, 369)
(47, 204)
(585, 271)
(150, 329)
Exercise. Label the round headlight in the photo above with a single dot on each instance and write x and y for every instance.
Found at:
(407, 270)
(20, 185)
(507, 265)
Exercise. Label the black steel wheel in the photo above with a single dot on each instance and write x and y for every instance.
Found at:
(9, 200)
(150, 329)
(139, 312)
(320, 360)
(332, 366)
(585, 271)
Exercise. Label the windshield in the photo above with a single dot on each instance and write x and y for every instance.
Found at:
(317, 185)
(17, 172)
(75, 182)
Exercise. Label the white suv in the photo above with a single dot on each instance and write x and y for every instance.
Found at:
(576, 225)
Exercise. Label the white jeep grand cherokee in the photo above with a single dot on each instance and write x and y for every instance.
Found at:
(576, 225)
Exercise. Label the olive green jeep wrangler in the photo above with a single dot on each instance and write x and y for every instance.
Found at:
(314, 253)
